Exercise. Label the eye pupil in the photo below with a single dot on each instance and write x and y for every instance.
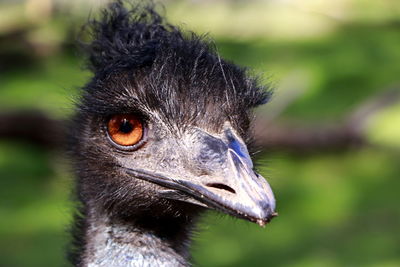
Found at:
(125, 127)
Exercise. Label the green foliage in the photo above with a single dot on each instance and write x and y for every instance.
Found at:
(33, 207)
(48, 85)
(345, 68)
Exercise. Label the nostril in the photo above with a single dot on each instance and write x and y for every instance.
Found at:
(221, 186)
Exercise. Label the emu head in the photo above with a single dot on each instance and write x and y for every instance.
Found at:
(163, 125)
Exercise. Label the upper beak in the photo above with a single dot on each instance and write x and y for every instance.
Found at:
(219, 174)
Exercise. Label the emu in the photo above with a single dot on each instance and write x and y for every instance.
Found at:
(161, 134)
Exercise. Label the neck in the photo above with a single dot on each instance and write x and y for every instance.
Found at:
(148, 241)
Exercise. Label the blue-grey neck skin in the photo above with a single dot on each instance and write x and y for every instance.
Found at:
(118, 245)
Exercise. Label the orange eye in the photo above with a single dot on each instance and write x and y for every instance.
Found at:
(125, 129)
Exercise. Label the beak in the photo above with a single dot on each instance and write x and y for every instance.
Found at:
(218, 174)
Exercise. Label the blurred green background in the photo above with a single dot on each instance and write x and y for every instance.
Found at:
(338, 208)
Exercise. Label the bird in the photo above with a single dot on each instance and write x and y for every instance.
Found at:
(161, 133)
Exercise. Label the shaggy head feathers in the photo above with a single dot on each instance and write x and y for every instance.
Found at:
(144, 64)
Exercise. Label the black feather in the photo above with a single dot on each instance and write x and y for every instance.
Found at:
(142, 64)
(177, 74)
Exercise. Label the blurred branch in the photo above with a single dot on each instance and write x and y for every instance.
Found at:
(33, 126)
(306, 139)
(273, 135)
(38, 128)
(359, 119)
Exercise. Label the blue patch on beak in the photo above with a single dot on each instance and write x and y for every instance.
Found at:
(239, 148)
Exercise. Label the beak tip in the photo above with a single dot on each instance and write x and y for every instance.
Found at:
(261, 223)
(266, 219)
